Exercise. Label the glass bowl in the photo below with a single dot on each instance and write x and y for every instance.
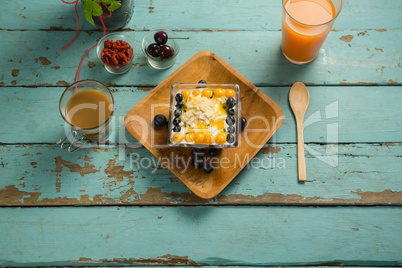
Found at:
(110, 66)
(204, 120)
(157, 62)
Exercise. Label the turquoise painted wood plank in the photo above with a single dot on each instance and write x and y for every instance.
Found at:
(200, 15)
(348, 57)
(336, 114)
(201, 235)
(43, 175)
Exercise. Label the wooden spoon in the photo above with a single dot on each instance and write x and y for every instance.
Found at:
(299, 99)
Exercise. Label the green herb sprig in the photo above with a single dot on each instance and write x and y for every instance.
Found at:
(94, 8)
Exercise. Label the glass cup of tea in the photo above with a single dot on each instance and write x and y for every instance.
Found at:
(87, 106)
(305, 26)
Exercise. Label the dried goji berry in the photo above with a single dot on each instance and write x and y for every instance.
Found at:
(116, 53)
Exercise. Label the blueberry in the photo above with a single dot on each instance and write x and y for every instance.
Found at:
(202, 82)
(243, 123)
(176, 129)
(208, 168)
(159, 120)
(198, 162)
(231, 102)
(176, 121)
(231, 129)
(153, 50)
(179, 97)
(177, 113)
(231, 111)
(161, 37)
(196, 151)
(230, 120)
(230, 138)
(214, 152)
(179, 104)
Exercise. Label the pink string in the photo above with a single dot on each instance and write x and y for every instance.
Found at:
(78, 21)
(76, 33)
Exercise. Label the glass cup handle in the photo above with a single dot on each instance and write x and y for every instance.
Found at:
(73, 142)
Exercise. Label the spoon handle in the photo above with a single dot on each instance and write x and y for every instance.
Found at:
(300, 152)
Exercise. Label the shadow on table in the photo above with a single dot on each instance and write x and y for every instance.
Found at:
(285, 73)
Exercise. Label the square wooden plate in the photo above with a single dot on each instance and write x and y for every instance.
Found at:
(263, 114)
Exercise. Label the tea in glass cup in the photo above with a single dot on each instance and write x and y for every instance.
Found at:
(88, 106)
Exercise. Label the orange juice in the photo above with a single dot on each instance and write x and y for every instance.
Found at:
(305, 25)
(88, 109)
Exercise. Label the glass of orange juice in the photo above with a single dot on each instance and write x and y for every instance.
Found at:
(87, 106)
(305, 25)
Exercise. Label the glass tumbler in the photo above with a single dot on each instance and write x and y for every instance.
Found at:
(305, 26)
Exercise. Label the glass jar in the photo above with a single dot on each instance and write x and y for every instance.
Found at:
(119, 18)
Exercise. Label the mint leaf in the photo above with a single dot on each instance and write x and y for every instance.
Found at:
(107, 2)
(97, 9)
(114, 5)
(87, 7)
(94, 8)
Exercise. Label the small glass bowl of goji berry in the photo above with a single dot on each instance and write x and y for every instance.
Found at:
(116, 51)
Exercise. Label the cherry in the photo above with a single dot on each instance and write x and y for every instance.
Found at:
(153, 50)
(161, 38)
(166, 52)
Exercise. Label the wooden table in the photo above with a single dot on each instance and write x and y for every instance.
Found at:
(90, 208)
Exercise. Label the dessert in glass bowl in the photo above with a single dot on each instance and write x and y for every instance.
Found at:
(204, 115)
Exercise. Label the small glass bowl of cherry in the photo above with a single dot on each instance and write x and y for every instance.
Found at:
(160, 49)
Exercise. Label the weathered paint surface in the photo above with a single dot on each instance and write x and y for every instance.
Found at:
(248, 235)
(353, 122)
(261, 61)
(336, 114)
(44, 175)
(261, 15)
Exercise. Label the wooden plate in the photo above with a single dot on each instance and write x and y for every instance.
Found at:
(263, 114)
